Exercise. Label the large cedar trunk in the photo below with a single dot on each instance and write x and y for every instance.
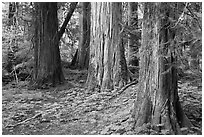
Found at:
(157, 99)
(107, 64)
(47, 55)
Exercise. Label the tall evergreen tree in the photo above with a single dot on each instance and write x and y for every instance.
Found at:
(157, 99)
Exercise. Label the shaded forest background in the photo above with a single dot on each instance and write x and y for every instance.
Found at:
(18, 39)
(78, 87)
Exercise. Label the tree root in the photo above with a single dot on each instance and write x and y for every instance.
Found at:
(123, 89)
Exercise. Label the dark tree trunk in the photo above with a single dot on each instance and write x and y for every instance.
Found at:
(12, 10)
(68, 17)
(157, 98)
(133, 42)
(74, 60)
(82, 60)
(47, 55)
(83, 54)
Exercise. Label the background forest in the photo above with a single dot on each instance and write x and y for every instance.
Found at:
(101, 68)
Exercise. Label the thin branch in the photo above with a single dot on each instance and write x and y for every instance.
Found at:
(194, 16)
(181, 16)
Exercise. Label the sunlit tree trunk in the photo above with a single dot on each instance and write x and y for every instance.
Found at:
(47, 55)
(107, 66)
(157, 99)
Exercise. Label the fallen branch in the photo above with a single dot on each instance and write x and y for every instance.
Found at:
(123, 89)
(22, 122)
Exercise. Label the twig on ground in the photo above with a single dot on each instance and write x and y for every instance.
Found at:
(22, 122)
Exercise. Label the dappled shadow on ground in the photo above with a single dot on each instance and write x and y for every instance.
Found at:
(71, 109)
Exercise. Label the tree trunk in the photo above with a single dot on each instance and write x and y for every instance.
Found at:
(107, 66)
(133, 41)
(83, 54)
(74, 60)
(68, 17)
(157, 99)
(12, 11)
(47, 55)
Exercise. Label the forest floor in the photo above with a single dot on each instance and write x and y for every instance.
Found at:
(70, 109)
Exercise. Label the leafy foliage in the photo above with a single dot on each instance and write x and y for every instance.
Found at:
(16, 41)
(70, 39)
(189, 39)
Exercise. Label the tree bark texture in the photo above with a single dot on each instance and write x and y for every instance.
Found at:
(133, 42)
(107, 66)
(157, 99)
(83, 52)
(47, 54)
